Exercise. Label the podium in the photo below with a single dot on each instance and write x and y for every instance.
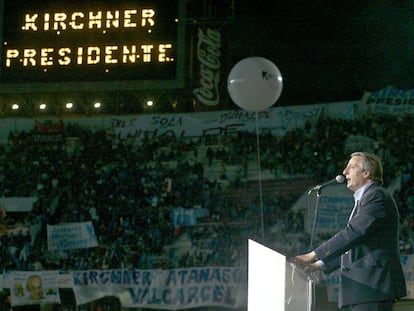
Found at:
(274, 284)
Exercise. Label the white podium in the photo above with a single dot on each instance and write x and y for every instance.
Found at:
(275, 284)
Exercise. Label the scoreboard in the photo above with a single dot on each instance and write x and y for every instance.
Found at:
(93, 45)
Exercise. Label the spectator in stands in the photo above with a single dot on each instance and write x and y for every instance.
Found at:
(102, 169)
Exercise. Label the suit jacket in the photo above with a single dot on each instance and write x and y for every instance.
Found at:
(367, 251)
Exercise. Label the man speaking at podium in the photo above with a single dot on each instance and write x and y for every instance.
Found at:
(367, 249)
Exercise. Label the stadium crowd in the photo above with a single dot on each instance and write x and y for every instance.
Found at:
(129, 190)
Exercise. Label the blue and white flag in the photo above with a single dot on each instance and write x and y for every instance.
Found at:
(71, 236)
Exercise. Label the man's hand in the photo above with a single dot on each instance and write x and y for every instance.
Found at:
(305, 259)
(312, 267)
(307, 262)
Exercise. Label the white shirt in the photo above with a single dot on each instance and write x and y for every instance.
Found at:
(357, 197)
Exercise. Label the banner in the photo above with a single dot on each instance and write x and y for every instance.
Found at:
(334, 207)
(17, 204)
(389, 100)
(13, 230)
(174, 289)
(49, 127)
(71, 236)
(333, 213)
(34, 287)
(277, 121)
(187, 216)
(407, 262)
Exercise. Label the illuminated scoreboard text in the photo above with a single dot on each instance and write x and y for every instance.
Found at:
(69, 41)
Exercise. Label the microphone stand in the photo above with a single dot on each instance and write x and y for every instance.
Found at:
(311, 284)
(315, 217)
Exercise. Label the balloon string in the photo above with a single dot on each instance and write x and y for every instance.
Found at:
(260, 175)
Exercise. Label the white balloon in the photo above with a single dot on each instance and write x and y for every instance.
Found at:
(255, 83)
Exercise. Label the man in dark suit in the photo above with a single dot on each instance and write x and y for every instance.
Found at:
(367, 249)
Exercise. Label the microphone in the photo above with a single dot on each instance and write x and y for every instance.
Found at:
(337, 180)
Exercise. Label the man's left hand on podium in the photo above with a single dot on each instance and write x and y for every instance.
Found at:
(304, 259)
(309, 263)
(313, 267)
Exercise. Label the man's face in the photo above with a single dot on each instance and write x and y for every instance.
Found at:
(356, 177)
(35, 288)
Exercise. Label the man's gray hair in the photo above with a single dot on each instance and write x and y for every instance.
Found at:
(372, 164)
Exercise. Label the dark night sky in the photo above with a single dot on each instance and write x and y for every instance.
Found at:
(329, 50)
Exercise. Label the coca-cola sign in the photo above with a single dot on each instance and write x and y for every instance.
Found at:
(208, 55)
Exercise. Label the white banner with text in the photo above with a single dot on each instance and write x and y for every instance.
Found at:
(165, 289)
